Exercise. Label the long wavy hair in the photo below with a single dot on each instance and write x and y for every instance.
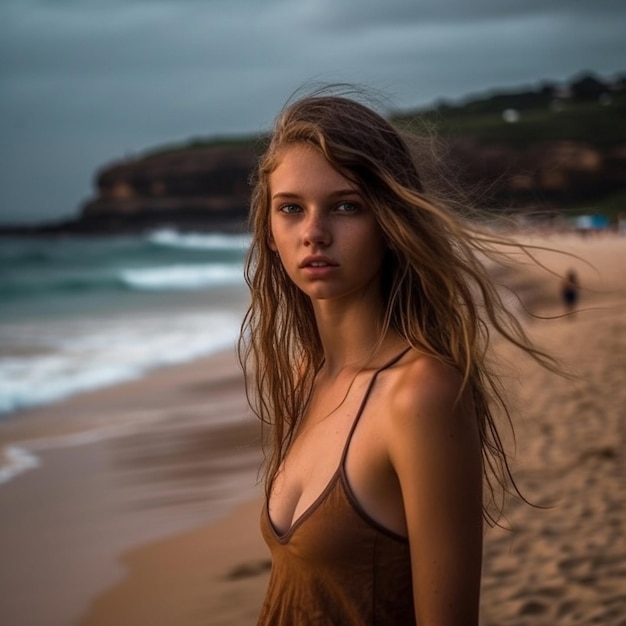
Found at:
(437, 293)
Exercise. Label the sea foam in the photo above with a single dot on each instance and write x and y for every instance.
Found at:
(65, 358)
(180, 277)
(197, 241)
(16, 460)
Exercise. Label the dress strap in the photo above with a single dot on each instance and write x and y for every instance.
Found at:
(366, 396)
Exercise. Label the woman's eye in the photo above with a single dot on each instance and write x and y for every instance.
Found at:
(347, 207)
(289, 208)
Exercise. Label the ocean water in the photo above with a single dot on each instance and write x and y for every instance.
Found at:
(77, 314)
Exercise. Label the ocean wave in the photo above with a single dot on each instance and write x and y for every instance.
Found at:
(45, 286)
(161, 278)
(15, 255)
(199, 241)
(76, 272)
(183, 276)
(32, 382)
(74, 358)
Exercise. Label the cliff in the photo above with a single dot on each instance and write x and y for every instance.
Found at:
(207, 188)
(551, 175)
(200, 187)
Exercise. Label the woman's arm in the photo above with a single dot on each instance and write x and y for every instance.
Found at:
(435, 450)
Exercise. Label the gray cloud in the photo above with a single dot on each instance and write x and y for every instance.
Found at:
(355, 13)
(87, 81)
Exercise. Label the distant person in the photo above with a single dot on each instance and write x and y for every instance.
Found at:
(570, 289)
(366, 357)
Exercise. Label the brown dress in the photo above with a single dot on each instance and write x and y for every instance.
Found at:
(336, 565)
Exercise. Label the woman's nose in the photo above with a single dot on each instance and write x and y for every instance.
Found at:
(317, 231)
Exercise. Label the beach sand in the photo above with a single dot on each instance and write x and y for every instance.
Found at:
(156, 521)
(566, 564)
(120, 467)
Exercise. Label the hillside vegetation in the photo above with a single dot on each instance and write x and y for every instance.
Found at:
(587, 110)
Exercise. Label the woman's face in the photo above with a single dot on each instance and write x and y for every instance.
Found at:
(328, 239)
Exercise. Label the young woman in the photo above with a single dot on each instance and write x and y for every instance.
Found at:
(365, 347)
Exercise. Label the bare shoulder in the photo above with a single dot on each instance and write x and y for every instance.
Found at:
(424, 389)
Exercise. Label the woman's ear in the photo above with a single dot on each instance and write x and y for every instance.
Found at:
(271, 243)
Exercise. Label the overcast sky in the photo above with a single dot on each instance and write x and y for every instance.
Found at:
(86, 82)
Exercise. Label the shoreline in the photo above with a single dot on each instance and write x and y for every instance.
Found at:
(182, 451)
(87, 416)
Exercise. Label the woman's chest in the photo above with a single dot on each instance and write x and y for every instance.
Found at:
(320, 452)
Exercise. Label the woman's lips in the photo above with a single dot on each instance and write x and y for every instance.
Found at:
(318, 266)
(318, 261)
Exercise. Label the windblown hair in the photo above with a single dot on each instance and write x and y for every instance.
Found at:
(438, 295)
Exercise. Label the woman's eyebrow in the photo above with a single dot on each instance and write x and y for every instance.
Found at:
(285, 194)
(338, 193)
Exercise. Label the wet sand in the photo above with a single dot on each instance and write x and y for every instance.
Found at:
(158, 522)
(164, 455)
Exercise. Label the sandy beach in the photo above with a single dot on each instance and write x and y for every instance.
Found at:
(145, 506)
(119, 468)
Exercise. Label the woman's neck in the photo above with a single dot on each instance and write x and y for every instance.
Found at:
(352, 336)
